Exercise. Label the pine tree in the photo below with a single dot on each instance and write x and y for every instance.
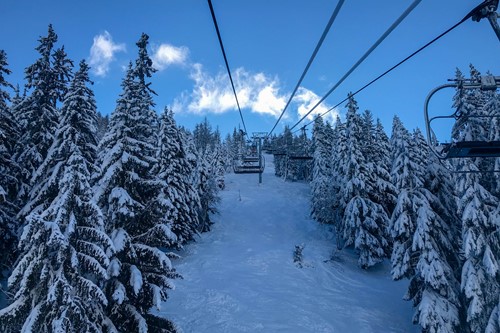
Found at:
(481, 246)
(384, 192)
(407, 175)
(128, 192)
(174, 170)
(435, 287)
(364, 221)
(321, 186)
(9, 170)
(63, 261)
(477, 208)
(63, 72)
(207, 190)
(218, 159)
(339, 154)
(38, 116)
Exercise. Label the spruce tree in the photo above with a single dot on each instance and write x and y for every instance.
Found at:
(364, 222)
(407, 175)
(63, 72)
(435, 286)
(57, 280)
(477, 208)
(481, 248)
(174, 170)
(384, 192)
(38, 116)
(321, 184)
(128, 192)
(339, 154)
(9, 171)
(208, 191)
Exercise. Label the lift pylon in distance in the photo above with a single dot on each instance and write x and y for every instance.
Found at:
(462, 147)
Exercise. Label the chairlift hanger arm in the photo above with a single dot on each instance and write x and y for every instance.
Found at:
(488, 82)
(465, 148)
(487, 9)
(426, 108)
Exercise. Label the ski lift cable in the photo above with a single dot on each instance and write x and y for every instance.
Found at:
(466, 17)
(311, 59)
(367, 53)
(214, 19)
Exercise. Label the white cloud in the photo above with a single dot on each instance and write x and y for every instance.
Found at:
(102, 53)
(256, 91)
(307, 99)
(166, 55)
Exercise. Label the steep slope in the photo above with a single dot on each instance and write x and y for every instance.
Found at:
(240, 277)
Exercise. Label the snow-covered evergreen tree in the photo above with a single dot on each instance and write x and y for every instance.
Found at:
(63, 72)
(9, 170)
(283, 145)
(208, 191)
(218, 162)
(57, 280)
(480, 280)
(128, 192)
(179, 192)
(339, 155)
(364, 222)
(407, 175)
(481, 247)
(321, 184)
(38, 116)
(383, 192)
(435, 286)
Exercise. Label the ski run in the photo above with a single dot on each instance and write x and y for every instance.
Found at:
(241, 277)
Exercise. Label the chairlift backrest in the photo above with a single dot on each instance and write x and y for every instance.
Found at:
(463, 148)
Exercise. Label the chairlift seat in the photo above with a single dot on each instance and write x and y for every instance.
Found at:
(248, 169)
(470, 149)
(250, 159)
(300, 157)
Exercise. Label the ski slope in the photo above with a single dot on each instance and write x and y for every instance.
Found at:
(240, 277)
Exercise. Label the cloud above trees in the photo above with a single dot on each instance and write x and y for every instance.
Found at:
(102, 53)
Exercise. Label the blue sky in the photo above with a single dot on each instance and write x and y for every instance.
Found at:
(268, 43)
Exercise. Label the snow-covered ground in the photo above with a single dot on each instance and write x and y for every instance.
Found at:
(240, 277)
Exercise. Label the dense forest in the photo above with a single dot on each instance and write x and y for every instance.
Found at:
(90, 207)
(93, 208)
(437, 221)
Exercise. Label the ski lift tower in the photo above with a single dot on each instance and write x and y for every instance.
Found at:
(259, 136)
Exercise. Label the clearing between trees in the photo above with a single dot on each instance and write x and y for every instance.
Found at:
(241, 276)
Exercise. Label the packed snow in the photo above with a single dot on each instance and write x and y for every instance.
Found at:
(241, 276)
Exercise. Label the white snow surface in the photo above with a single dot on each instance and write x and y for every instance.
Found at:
(240, 277)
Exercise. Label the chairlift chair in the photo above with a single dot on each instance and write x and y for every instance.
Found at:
(462, 148)
(300, 157)
(249, 165)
